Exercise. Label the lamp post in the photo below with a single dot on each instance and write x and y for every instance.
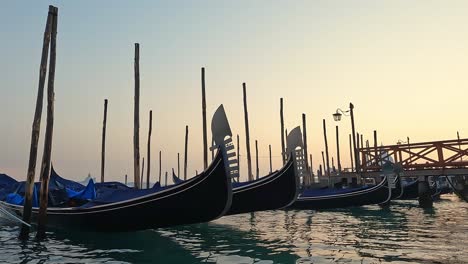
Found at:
(337, 117)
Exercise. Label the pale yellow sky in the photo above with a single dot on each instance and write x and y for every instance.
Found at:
(401, 63)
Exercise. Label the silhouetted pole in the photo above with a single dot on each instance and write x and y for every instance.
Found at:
(283, 150)
(326, 147)
(351, 153)
(126, 176)
(304, 136)
(103, 145)
(238, 153)
(136, 120)
(160, 171)
(46, 157)
(358, 144)
(205, 140)
(142, 172)
(165, 180)
(148, 154)
(271, 167)
(362, 144)
(376, 154)
(409, 149)
(338, 149)
(356, 157)
(36, 127)
(185, 154)
(312, 180)
(459, 146)
(247, 134)
(178, 164)
(323, 162)
(333, 164)
(256, 159)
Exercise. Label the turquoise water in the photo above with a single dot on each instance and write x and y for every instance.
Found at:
(402, 233)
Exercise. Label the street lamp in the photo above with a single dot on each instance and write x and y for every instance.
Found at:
(337, 117)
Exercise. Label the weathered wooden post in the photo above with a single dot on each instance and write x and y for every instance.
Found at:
(160, 171)
(36, 127)
(103, 145)
(312, 180)
(358, 155)
(148, 154)
(46, 157)
(205, 140)
(326, 147)
(323, 162)
(338, 149)
(283, 149)
(238, 153)
(256, 159)
(136, 120)
(185, 155)
(351, 153)
(304, 139)
(271, 167)
(247, 134)
(142, 172)
(376, 154)
(178, 165)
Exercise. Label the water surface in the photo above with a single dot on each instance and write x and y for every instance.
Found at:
(401, 233)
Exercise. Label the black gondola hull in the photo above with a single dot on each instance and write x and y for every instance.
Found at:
(200, 199)
(275, 191)
(374, 195)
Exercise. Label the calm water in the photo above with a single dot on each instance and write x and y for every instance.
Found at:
(402, 233)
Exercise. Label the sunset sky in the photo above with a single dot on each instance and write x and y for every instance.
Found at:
(403, 64)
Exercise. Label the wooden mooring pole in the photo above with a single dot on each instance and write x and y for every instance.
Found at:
(351, 153)
(205, 140)
(46, 156)
(326, 147)
(142, 172)
(304, 136)
(238, 153)
(160, 171)
(178, 164)
(271, 167)
(103, 145)
(247, 134)
(126, 178)
(283, 150)
(136, 120)
(338, 160)
(376, 154)
(256, 160)
(185, 154)
(312, 180)
(36, 127)
(148, 154)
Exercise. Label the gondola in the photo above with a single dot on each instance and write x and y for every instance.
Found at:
(332, 198)
(200, 199)
(274, 191)
(410, 190)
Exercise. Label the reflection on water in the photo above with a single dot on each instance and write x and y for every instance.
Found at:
(401, 233)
